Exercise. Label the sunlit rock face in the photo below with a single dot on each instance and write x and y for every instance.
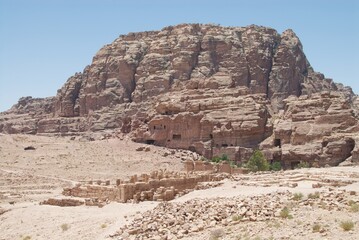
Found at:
(210, 89)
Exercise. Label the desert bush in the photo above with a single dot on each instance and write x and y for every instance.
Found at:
(316, 227)
(65, 227)
(314, 195)
(277, 224)
(218, 159)
(354, 207)
(298, 222)
(322, 204)
(232, 164)
(103, 225)
(26, 238)
(276, 166)
(284, 213)
(216, 234)
(303, 164)
(347, 225)
(224, 157)
(273, 224)
(297, 196)
(257, 162)
(236, 218)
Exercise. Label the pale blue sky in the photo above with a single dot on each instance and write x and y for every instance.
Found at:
(43, 42)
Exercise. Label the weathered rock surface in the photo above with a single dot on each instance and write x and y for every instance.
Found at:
(210, 89)
(321, 129)
(171, 220)
(63, 202)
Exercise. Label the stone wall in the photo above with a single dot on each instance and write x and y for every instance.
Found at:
(202, 166)
(157, 186)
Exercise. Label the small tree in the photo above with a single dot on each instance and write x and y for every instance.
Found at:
(224, 157)
(276, 166)
(257, 162)
(218, 159)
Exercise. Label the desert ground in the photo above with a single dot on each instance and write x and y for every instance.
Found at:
(247, 206)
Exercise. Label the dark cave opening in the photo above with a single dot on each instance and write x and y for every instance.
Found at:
(150, 141)
(192, 148)
(350, 144)
(294, 165)
(176, 136)
(277, 143)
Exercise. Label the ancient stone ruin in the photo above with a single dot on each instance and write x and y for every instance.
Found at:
(210, 89)
(157, 186)
(205, 166)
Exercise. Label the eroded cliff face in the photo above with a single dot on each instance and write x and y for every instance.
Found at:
(206, 88)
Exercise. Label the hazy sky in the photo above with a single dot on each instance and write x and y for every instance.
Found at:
(44, 42)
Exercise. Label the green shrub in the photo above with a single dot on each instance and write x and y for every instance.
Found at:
(276, 166)
(351, 202)
(257, 162)
(236, 218)
(240, 164)
(297, 196)
(233, 164)
(316, 227)
(314, 195)
(284, 213)
(354, 207)
(224, 157)
(218, 159)
(347, 225)
(303, 164)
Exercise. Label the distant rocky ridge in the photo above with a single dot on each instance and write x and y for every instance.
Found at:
(210, 89)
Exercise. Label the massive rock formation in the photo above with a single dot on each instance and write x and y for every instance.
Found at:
(210, 89)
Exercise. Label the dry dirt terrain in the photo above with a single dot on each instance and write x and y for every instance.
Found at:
(317, 200)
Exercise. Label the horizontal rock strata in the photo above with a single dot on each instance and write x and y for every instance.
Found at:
(209, 89)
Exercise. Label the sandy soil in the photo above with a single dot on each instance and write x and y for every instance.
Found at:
(28, 177)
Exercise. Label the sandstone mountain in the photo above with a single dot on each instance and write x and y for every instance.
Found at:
(209, 89)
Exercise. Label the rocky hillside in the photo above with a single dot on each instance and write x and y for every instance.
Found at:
(210, 89)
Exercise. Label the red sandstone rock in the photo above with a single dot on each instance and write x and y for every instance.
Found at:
(210, 89)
